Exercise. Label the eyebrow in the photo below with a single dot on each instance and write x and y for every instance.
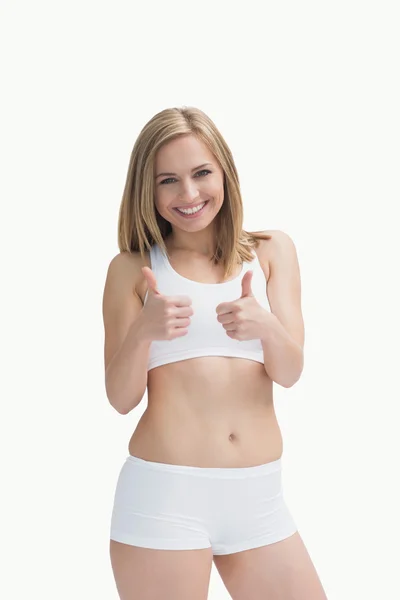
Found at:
(194, 169)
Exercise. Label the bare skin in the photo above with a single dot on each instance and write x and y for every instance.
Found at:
(207, 412)
(221, 411)
(219, 408)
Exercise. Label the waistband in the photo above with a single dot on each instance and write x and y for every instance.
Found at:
(219, 472)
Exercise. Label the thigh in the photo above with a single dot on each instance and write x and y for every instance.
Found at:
(279, 571)
(147, 574)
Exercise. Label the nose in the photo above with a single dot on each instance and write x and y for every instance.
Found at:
(189, 192)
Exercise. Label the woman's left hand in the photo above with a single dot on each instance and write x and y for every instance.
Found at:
(243, 319)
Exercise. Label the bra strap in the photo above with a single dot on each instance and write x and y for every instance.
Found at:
(155, 258)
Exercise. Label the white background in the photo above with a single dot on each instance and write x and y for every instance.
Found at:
(307, 96)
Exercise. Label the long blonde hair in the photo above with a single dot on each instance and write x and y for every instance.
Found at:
(139, 223)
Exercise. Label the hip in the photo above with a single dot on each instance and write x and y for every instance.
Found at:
(165, 506)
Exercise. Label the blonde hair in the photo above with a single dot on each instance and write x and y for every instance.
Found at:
(140, 225)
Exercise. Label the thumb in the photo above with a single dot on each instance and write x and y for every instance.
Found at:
(151, 280)
(246, 284)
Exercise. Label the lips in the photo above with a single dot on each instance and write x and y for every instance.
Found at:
(186, 206)
(191, 215)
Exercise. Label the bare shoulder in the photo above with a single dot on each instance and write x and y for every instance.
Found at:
(278, 242)
(272, 243)
(274, 238)
(283, 250)
(126, 269)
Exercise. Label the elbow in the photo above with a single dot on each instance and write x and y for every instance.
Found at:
(286, 379)
(293, 375)
(121, 409)
(288, 383)
(123, 405)
(124, 408)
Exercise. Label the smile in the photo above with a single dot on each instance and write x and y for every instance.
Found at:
(193, 211)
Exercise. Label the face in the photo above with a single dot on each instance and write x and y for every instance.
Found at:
(188, 177)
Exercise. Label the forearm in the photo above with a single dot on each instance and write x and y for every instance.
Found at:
(283, 357)
(126, 375)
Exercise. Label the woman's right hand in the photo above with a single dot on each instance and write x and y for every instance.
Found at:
(164, 317)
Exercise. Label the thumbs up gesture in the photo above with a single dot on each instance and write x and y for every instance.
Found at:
(164, 317)
(245, 318)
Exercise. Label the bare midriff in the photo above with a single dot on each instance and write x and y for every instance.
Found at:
(211, 411)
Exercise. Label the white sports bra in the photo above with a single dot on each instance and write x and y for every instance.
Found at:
(206, 335)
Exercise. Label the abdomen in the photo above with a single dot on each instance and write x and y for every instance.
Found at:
(209, 411)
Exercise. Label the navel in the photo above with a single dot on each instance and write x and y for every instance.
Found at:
(232, 437)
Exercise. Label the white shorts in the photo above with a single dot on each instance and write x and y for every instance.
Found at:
(175, 507)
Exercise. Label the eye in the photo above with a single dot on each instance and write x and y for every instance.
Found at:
(164, 181)
(203, 171)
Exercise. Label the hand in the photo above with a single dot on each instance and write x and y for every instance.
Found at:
(164, 317)
(243, 319)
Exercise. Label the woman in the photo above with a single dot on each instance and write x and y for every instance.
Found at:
(187, 315)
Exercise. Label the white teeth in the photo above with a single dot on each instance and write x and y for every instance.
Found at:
(191, 211)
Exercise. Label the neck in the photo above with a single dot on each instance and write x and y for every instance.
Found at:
(202, 242)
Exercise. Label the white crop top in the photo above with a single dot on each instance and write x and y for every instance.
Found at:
(206, 335)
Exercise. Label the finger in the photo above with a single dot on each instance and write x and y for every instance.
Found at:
(151, 280)
(180, 300)
(180, 322)
(224, 307)
(181, 311)
(225, 318)
(246, 284)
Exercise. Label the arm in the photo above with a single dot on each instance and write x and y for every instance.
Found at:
(125, 351)
(283, 336)
(283, 357)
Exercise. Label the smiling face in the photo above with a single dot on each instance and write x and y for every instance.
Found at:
(188, 177)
